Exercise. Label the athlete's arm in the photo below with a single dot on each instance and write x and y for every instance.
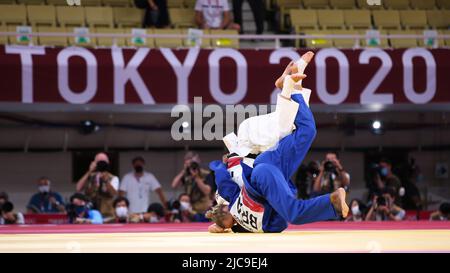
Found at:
(216, 229)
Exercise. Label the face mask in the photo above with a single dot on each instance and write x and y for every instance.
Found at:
(122, 212)
(44, 189)
(384, 171)
(185, 206)
(154, 219)
(138, 169)
(356, 211)
(102, 166)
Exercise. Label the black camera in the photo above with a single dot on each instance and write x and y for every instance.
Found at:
(192, 167)
(329, 167)
(381, 201)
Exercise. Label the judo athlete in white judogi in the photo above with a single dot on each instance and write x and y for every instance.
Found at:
(258, 195)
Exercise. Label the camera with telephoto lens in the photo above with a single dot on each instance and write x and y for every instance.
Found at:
(381, 201)
(192, 167)
(329, 167)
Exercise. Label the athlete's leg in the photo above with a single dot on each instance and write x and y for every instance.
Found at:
(269, 182)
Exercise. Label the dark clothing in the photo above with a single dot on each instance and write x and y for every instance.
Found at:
(40, 202)
(258, 10)
(154, 18)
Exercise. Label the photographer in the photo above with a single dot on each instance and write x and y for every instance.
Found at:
(305, 177)
(384, 208)
(80, 211)
(100, 185)
(46, 200)
(442, 214)
(192, 178)
(331, 176)
(382, 178)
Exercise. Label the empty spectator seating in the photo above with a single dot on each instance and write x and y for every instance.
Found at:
(109, 41)
(13, 15)
(168, 42)
(182, 17)
(386, 19)
(70, 16)
(119, 3)
(363, 4)
(423, 4)
(31, 2)
(128, 17)
(285, 6)
(224, 42)
(396, 4)
(436, 19)
(41, 15)
(413, 19)
(175, 4)
(345, 43)
(404, 42)
(357, 19)
(50, 40)
(3, 39)
(99, 16)
(331, 19)
(316, 4)
(318, 42)
(58, 2)
(303, 19)
(443, 4)
(342, 4)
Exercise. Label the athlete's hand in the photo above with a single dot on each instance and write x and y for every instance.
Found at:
(216, 229)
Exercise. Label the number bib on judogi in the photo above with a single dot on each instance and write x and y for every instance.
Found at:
(247, 212)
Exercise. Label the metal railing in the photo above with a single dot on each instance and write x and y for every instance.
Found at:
(274, 37)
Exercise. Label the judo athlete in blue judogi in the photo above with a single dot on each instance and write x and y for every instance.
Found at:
(265, 198)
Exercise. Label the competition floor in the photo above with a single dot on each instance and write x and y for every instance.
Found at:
(318, 237)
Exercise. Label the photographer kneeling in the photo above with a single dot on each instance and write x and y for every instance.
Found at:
(331, 176)
(384, 208)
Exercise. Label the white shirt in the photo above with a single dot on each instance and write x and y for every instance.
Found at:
(212, 11)
(138, 191)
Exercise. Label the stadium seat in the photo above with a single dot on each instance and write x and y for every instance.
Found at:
(331, 19)
(91, 3)
(413, 19)
(13, 15)
(31, 2)
(303, 19)
(206, 42)
(224, 42)
(190, 4)
(168, 42)
(128, 17)
(343, 4)
(396, 4)
(362, 4)
(41, 15)
(175, 4)
(436, 19)
(52, 41)
(357, 19)
(285, 6)
(403, 43)
(13, 39)
(386, 19)
(3, 39)
(87, 43)
(70, 16)
(446, 41)
(346, 43)
(443, 4)
(316, 4)
(109, 41)
(423, 4)
(182, 18)
(383, 41)
(99, 16)
(7, 2)
(58, 2)
(318, 42)
(119, 3)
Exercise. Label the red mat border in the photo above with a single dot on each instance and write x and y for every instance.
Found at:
(202, 227)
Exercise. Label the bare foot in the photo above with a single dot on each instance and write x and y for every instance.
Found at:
(338, 200)
(293, 69)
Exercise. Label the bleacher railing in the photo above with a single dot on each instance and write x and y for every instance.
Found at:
(276, 38)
